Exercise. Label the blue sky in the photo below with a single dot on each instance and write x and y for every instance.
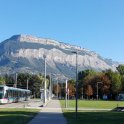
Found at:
(94, 24)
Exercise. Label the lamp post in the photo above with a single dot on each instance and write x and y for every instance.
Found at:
(98, 89)
(50, 87)
(57, 89)
(44, 79)
(66, 85)
(76, 105)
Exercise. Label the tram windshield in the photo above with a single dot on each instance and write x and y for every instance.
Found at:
(1, 92)
(1, 95)
(1, 89)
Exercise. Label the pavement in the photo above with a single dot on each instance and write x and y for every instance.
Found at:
(50, 114)
(33, 103)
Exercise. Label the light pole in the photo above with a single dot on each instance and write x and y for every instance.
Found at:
(66, 85)
(44, 79)
(50, 86)
(98, 89)
(82, 92)
(76, 105)
(57, 89)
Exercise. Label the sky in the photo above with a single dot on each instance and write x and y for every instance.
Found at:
(97, 25)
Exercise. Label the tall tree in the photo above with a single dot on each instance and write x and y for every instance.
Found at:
(120, 69)
(89, 91)
(71, 87)
(116, 83)
(2, 81)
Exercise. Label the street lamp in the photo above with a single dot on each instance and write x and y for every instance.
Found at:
(44, 79)
(98, 89)
(50, 87)
(76, 106)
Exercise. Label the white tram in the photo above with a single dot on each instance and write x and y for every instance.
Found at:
(11, 94)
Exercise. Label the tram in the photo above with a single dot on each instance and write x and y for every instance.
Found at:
(11, 94)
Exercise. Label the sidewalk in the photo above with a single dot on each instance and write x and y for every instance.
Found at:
(50, 114)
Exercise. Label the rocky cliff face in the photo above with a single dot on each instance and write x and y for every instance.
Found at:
(25, 53)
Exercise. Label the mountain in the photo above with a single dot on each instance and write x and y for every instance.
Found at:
(25, 53)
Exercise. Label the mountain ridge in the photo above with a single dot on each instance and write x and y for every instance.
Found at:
(25, 53)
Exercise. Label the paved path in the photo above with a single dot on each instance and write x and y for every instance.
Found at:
(33, 103)
(50, 114)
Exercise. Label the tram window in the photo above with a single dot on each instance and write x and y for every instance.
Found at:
(1, 88)
(1, 95)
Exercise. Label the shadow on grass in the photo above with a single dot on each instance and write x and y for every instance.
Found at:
(95, 117)
(16, 116)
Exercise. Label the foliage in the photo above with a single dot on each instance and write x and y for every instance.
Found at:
(71, 87)
(35, 82)
(2, 80)
(120, 69)
(112, 83)
(116, 82)
(89, 91)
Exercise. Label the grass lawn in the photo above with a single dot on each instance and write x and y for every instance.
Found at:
(94, 117)
(16, 115)
(93, 104)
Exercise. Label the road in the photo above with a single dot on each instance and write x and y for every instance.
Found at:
(33, 103)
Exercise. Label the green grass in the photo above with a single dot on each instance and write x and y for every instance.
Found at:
(94, 117)
(93, 104)
(16, 115)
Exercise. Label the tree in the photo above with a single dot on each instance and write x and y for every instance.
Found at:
(57, 89)
(9, 79)
(84, 73)
(2, 81)
(71, 87)
(89, 91)
(120, 69)
(116, 83)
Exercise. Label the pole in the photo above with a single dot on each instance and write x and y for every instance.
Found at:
(57, 88)
(76, 86)
(68, 98)
(76, 105)
(50, 88)
(44, 79)
(66, 94)
(97, 90)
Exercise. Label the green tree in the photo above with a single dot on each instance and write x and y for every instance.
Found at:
(2, 81)
(116, 83)
(9, 79)
(120, 69)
